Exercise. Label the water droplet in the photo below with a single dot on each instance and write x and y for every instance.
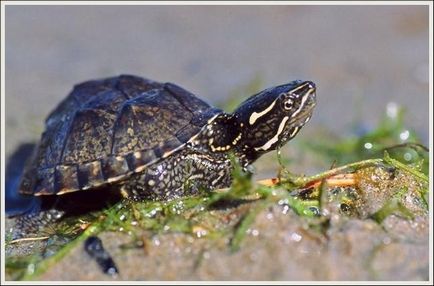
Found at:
(325, 212)
(199, 231)
(315, 211)
(407, 156)
(156, 241)
(296, 237)
(206, 255)
(368, 145)
(404, 135)
(392, 109)
(283, 202)
(31, 268)
(152, 213)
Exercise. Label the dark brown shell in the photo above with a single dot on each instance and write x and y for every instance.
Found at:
(105, 130)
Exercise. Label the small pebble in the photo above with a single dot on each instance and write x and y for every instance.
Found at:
(93, 246)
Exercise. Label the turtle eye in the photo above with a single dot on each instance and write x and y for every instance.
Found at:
(288, 104)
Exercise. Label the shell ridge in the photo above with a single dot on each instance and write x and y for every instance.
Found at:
(68, 133)
(105, 83)
(115, 125)
(112, 139)
(119, 111)
(118, 88)
(176, 96)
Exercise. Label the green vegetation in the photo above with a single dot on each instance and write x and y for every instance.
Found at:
(390, 135)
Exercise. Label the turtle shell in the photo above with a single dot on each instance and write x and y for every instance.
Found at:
(106, 130)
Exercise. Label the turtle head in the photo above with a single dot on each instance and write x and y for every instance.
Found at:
(272, 117)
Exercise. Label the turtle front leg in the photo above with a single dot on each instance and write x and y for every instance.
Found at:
(164, 180)
(185, 173)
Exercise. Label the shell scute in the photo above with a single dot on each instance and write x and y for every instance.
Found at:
(148, 120)
(113, 167)
(89, 136)
(90, 175)
(66, 179)
(44, 183)
(136, 160)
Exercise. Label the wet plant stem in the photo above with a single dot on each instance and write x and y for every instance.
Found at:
(301, 181)
(404, 167)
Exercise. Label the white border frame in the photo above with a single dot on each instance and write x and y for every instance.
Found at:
(9, 3)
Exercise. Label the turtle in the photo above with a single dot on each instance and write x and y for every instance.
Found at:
(133, 137)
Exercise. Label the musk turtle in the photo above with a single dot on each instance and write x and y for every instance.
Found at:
(149, 140)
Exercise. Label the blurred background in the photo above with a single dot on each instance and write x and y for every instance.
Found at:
(360, 57)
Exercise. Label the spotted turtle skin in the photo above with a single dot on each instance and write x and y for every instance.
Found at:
(152, 140)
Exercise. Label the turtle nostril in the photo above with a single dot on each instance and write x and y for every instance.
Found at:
(311, 84)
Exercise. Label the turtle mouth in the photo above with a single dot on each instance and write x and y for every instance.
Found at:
(295, 125)
(302, 118)
(308, 103)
